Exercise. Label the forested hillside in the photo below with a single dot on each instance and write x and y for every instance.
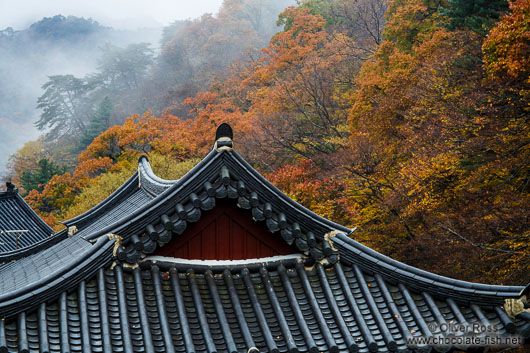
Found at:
(405, 118)
(51, 46)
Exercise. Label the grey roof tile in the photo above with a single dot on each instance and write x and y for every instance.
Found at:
(363, 301)
(233, 310)
(20, 226)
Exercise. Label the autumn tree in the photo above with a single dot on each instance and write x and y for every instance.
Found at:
(507, 48)
(297, 91)
(26, 160)
(201, 50)
(437, 167)
(412, 127)
(114, 151)
(325, 196)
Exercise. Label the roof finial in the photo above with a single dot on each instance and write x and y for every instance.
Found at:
(11, 187)
(223, 138)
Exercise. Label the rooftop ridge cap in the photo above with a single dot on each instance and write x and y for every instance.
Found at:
(200, 266)
(177, 260)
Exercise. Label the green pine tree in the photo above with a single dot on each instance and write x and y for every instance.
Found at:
(98, 123)
(476, 15)
(35, 180)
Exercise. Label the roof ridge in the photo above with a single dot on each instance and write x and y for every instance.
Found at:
(121, 192)
(355, 253)
(218, 266)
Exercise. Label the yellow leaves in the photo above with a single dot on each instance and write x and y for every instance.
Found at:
(507, 49)
(98, 188)
(165, 166)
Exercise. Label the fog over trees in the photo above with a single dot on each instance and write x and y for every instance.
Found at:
(56, 73)
(52, 46)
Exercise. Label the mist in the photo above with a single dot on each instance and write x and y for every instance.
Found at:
(28, 58)
(120, 14)
(183, 62)
(31, 55)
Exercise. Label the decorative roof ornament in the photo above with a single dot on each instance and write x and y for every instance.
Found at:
(72, 230)
(223, 138)
(11, 187)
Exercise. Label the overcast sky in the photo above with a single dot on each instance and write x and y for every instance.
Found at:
(125, 14)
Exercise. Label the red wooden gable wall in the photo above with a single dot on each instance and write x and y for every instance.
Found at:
(226, 233)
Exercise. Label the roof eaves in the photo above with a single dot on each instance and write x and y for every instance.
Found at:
(354, 253)
(69, 276)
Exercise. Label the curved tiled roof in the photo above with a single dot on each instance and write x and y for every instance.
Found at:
(98, 293)
(149, 181)
(29, 281)
(281, 305)
(20, 226)
(218, 175)
(136, 192)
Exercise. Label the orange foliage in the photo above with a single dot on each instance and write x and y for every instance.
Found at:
(324, 196)
(423, 148)
(111, 151)
(438, 162)
(507, 48)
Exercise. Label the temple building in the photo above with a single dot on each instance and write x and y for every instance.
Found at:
(222, 261)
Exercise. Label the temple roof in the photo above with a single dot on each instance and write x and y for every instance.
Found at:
(100, 289)
(20, 226)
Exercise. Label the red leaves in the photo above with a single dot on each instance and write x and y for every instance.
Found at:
(305, 184)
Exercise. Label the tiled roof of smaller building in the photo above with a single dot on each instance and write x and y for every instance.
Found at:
(20, 226)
